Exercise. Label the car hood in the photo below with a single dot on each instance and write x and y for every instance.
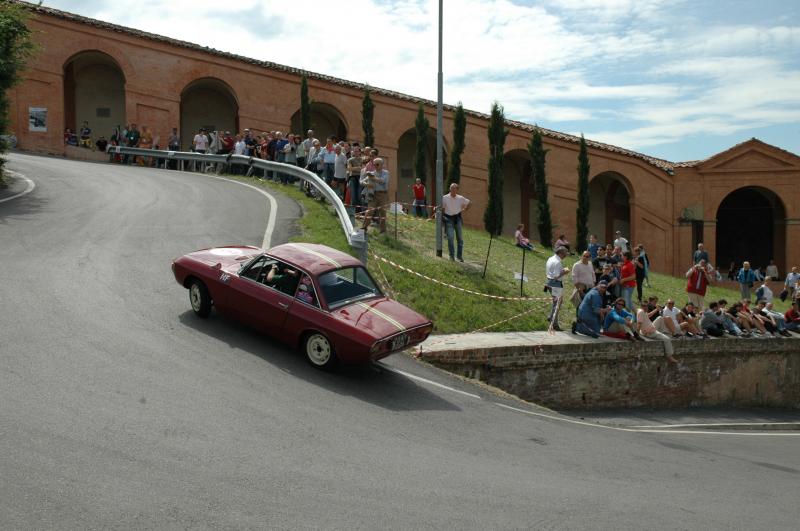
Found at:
(226, 257)
(382, 317)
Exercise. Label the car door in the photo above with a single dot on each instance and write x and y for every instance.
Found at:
(256, 304)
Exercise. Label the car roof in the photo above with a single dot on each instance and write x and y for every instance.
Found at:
(314, 258)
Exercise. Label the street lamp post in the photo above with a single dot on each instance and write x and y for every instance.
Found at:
(439, 162)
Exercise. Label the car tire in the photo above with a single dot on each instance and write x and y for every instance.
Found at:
(319, 351)
(199, 298)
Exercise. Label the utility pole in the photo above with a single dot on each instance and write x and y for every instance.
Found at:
(439, 148)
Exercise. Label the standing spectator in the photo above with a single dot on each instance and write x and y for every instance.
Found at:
(300, 151)
(789, 284)
(621, 242)
(700, 254)
(228, 142)
(521, 241)
(611, 281)
(746, 278)
(354, 164)
(619, 324)
(339, 171)
(453, 206)
(377, 184)
(594, 247)
(239, 148)
(732, 272)
(628, 279)
(591, 312)
(697, 280)
(200, 141)
(555, 271)
(309, 141)
(583, 278)
(772, 271)
(763, 293)
(419, 198)
(600, 260)
(289, 156)
(642, 264)
(646, 258)
(648, 329)
(132, 139)
(145, 142)
(86, 135)
(174, 141)
(329, 160)
(792, 318)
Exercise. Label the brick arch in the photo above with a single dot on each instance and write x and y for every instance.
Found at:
(406, 151)
(518, 193)
(615, 193)
(330, 113)
(73, 49)
(94, 90)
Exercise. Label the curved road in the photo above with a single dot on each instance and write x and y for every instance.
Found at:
(120, 409)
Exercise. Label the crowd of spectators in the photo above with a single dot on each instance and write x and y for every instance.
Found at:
(606, 277)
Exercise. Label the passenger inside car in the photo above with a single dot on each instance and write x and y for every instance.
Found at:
(305, 291)
(283, 278)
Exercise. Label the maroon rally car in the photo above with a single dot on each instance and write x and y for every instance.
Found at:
(317, 298)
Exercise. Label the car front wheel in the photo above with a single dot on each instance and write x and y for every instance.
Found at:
(199, 298)
(319, 351)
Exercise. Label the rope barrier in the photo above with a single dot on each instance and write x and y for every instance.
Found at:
(452, 286)
(498, 323)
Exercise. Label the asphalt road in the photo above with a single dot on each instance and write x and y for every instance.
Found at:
(120, 409)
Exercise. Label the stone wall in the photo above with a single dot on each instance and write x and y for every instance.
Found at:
(595, 374)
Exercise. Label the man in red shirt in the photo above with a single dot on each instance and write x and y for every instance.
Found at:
(792, 317)
(419, 198)
(697, 280)
(628, 280)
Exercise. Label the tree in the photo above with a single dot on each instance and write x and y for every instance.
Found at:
(545, 222)
(459, 132)
(421, 126)
(305, 106)
(582, 215)
(367, 112)
(493, 216)
(15, 49)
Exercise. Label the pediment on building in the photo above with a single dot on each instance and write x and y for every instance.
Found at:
(752, 155)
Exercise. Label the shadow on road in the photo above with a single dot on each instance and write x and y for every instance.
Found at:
(368, 383)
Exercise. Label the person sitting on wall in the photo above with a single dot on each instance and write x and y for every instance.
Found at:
(689, 315)
(729, 321)
(619, 323)
(70, 138)
(792, 318)
(591, 312)
(101, 144)
(648, 329)
(712, 322)
(86, 136)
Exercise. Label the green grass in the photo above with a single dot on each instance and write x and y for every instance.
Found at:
(453, 311)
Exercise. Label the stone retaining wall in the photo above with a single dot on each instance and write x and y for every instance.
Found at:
(586, 374)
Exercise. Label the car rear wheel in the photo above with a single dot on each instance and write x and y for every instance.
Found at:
(199, 298)
(319, 351)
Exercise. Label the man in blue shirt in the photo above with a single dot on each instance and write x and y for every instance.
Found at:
(591, 311)
(593, 246)
(620, 323)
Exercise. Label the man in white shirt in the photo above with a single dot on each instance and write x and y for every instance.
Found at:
(555, 271)
(668, 322)
(200, 142)
(583, 277)
(648, 329)
(453, 205)
(621, 242)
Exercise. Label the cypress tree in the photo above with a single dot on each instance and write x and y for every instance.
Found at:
(421, 126)
(15, 49)
(305, 107)
(582, 215)
(545, 222)
(459, 133)
(367, 112)
(493, 216)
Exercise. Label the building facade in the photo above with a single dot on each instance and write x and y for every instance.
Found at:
(743, 203)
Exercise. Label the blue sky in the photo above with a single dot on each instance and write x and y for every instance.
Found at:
(676, 79)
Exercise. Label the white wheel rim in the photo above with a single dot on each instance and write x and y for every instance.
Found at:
(195, 297)
(318, 349)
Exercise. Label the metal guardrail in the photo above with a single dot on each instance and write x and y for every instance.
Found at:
(357, 238)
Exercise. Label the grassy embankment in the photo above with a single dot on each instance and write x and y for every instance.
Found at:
(453, 311)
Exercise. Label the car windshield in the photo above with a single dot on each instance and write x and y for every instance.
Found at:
(347, 285)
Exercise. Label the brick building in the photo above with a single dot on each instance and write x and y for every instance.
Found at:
(744, 203)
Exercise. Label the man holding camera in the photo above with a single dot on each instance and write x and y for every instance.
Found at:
(697, 280)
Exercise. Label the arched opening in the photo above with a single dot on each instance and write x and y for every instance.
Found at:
(519, 199)
(94, 92)
(209, 103)
(751, 225)
(609, 206)
(406, 151)
(326, 120)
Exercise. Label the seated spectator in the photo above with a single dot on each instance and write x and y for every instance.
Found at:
(619, 323)
(712, 322)
(562, 242)
(729, 321)
(763, 292)
(522, 241)
(648, 329)
(772, 270)
(70, 138)
(688, 315)
(779, 319)
(101, 144)
(741, 319)
(86, 135)
(669, 322)
(760, 313)
(792, 318)
(591, 312)
(752, 319)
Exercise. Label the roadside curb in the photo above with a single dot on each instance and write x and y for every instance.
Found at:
(18, 185)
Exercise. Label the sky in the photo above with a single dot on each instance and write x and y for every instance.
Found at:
(675, 79)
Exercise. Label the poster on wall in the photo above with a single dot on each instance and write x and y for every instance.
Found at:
(37, 119)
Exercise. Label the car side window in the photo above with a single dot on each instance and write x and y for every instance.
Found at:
(305, 291)
(258, 270)
(281, 277)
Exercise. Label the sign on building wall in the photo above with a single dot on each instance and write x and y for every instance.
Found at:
(37, 119)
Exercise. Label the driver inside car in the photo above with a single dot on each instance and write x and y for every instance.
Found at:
(283, 279)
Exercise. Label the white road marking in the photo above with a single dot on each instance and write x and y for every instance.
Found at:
(712, 424)
(429, 382)
(638, 430)
(273, 209)
(28, 189)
